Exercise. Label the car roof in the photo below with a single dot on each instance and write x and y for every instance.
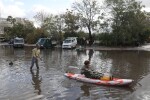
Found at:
(18, 38)
(44, 38)
(71, 37)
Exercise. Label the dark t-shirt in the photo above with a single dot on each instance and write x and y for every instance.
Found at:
(90, 73)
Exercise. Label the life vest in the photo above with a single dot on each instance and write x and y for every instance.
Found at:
(106, 77)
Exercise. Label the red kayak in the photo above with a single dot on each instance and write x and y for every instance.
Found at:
(115, 81)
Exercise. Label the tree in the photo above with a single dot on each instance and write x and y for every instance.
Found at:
(40, 17)
(20, 30)
(49, 25)
(129, 22)
(29, 27)
(60, 25)
(11, 20)
(38, 33)
(88, 10)
(71, 23)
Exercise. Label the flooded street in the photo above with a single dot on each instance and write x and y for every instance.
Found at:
(49, 82)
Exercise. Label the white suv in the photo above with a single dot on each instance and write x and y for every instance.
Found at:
(70, 42)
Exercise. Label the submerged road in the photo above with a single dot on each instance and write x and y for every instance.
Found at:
(145, 47)
(49, 83)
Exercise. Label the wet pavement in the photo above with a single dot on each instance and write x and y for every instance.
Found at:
(18, 82)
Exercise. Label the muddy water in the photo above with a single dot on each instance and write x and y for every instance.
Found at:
(48, 83)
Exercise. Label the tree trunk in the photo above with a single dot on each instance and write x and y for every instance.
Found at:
(90, 36)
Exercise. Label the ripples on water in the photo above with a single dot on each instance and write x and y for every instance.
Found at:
(48, 83)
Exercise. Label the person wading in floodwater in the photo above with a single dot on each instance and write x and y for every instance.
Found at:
(35, 56)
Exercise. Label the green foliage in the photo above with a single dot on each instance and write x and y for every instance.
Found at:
(105, 39)
(71, 23)
(82, 34)
(49, 25)
(52, 25)
(19, 29)
(11, 19)
(68, 34)
(33, 37)
(129, 23)
(7, 31)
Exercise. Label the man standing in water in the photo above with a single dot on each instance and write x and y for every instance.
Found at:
(35, 56)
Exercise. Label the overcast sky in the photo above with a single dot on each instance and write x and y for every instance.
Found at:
(28, 8)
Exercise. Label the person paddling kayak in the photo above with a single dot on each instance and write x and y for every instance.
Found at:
(90, 73)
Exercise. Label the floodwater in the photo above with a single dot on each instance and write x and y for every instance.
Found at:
(17, 82)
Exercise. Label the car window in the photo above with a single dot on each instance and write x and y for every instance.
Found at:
(67, 41)
(41, 41)
(18, 41)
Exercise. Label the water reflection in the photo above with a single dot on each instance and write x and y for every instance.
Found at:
(17, 79)
(85, 88)
(36, 80)
(91, 51)
(130, 63)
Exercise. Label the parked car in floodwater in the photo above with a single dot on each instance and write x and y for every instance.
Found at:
(70, 42)
(46, 43)
(18, 42)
